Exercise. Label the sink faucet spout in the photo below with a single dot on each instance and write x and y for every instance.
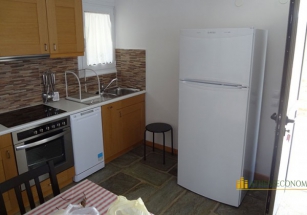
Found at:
(104, 88)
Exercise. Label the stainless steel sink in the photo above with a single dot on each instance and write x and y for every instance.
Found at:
(101, 99)
(118, 91)
(111, 93)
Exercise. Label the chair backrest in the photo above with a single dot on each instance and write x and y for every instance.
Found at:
(16, 182)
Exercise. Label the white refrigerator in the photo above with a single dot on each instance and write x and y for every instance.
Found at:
(220, 94)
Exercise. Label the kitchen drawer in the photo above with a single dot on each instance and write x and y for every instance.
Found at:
(5, 140)
(130, 101)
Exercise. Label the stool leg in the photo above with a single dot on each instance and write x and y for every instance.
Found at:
(153, 141)
(172, 141)
(163, 148)
(144, 145)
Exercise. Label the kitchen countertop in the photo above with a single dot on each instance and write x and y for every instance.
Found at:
(70, 107)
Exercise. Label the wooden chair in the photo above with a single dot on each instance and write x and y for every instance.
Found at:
(24, 179)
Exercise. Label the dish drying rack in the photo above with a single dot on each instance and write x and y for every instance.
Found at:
(82, 96)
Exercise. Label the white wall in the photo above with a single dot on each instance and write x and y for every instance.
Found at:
(154, 25)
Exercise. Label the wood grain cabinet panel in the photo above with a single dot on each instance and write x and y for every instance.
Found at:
(23, 27)
(8, 169)
(65, 25)
(32, 27)
(110, 130)
(123, 125)
(131, 124)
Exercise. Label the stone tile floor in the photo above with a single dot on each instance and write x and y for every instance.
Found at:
(132, 177)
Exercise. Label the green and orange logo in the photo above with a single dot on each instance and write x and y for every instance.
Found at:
(242, 184)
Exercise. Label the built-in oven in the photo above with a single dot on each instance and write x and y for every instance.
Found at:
(38, 144)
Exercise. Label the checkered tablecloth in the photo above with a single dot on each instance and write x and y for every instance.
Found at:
(96, 196)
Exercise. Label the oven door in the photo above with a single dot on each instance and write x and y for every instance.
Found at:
(56, 146)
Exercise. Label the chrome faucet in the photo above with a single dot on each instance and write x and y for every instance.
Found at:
(103, 89)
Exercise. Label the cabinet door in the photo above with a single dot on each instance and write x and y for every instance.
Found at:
(110, 130)
(123, 125)
(9, 164)
(8, 170)
(65, 26)
(132, 124)
(23, 27)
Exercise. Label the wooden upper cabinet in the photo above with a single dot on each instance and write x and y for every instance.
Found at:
(65, 24)
(33, 27)
(23, 28)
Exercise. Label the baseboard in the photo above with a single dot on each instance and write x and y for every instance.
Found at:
(107, 160)
(158, 146)
(260, 177)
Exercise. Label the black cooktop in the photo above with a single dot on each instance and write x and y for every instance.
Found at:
(26, 115)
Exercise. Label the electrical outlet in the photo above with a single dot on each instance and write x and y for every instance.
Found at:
(56, 96)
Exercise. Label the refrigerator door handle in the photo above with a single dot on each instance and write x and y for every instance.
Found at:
(214, 83)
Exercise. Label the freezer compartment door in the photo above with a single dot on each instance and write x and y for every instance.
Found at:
(212, 123)
(222, 55)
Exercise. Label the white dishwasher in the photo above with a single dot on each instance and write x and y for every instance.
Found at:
(86, 130)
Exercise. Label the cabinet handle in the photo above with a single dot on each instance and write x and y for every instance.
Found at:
(54, 46)
(120, 114)
(110, 107)
(46, 47)
(8, 155)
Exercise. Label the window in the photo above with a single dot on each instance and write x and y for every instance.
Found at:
(99, 38)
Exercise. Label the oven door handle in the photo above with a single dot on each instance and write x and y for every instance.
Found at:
(40, 142)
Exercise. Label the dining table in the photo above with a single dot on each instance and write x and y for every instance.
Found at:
(94, 195)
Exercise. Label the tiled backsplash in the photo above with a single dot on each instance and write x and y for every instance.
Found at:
(131, 68)
(21, 80)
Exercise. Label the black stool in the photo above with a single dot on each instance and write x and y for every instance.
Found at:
(158, 128)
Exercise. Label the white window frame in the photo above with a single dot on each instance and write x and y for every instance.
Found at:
(105, 7)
